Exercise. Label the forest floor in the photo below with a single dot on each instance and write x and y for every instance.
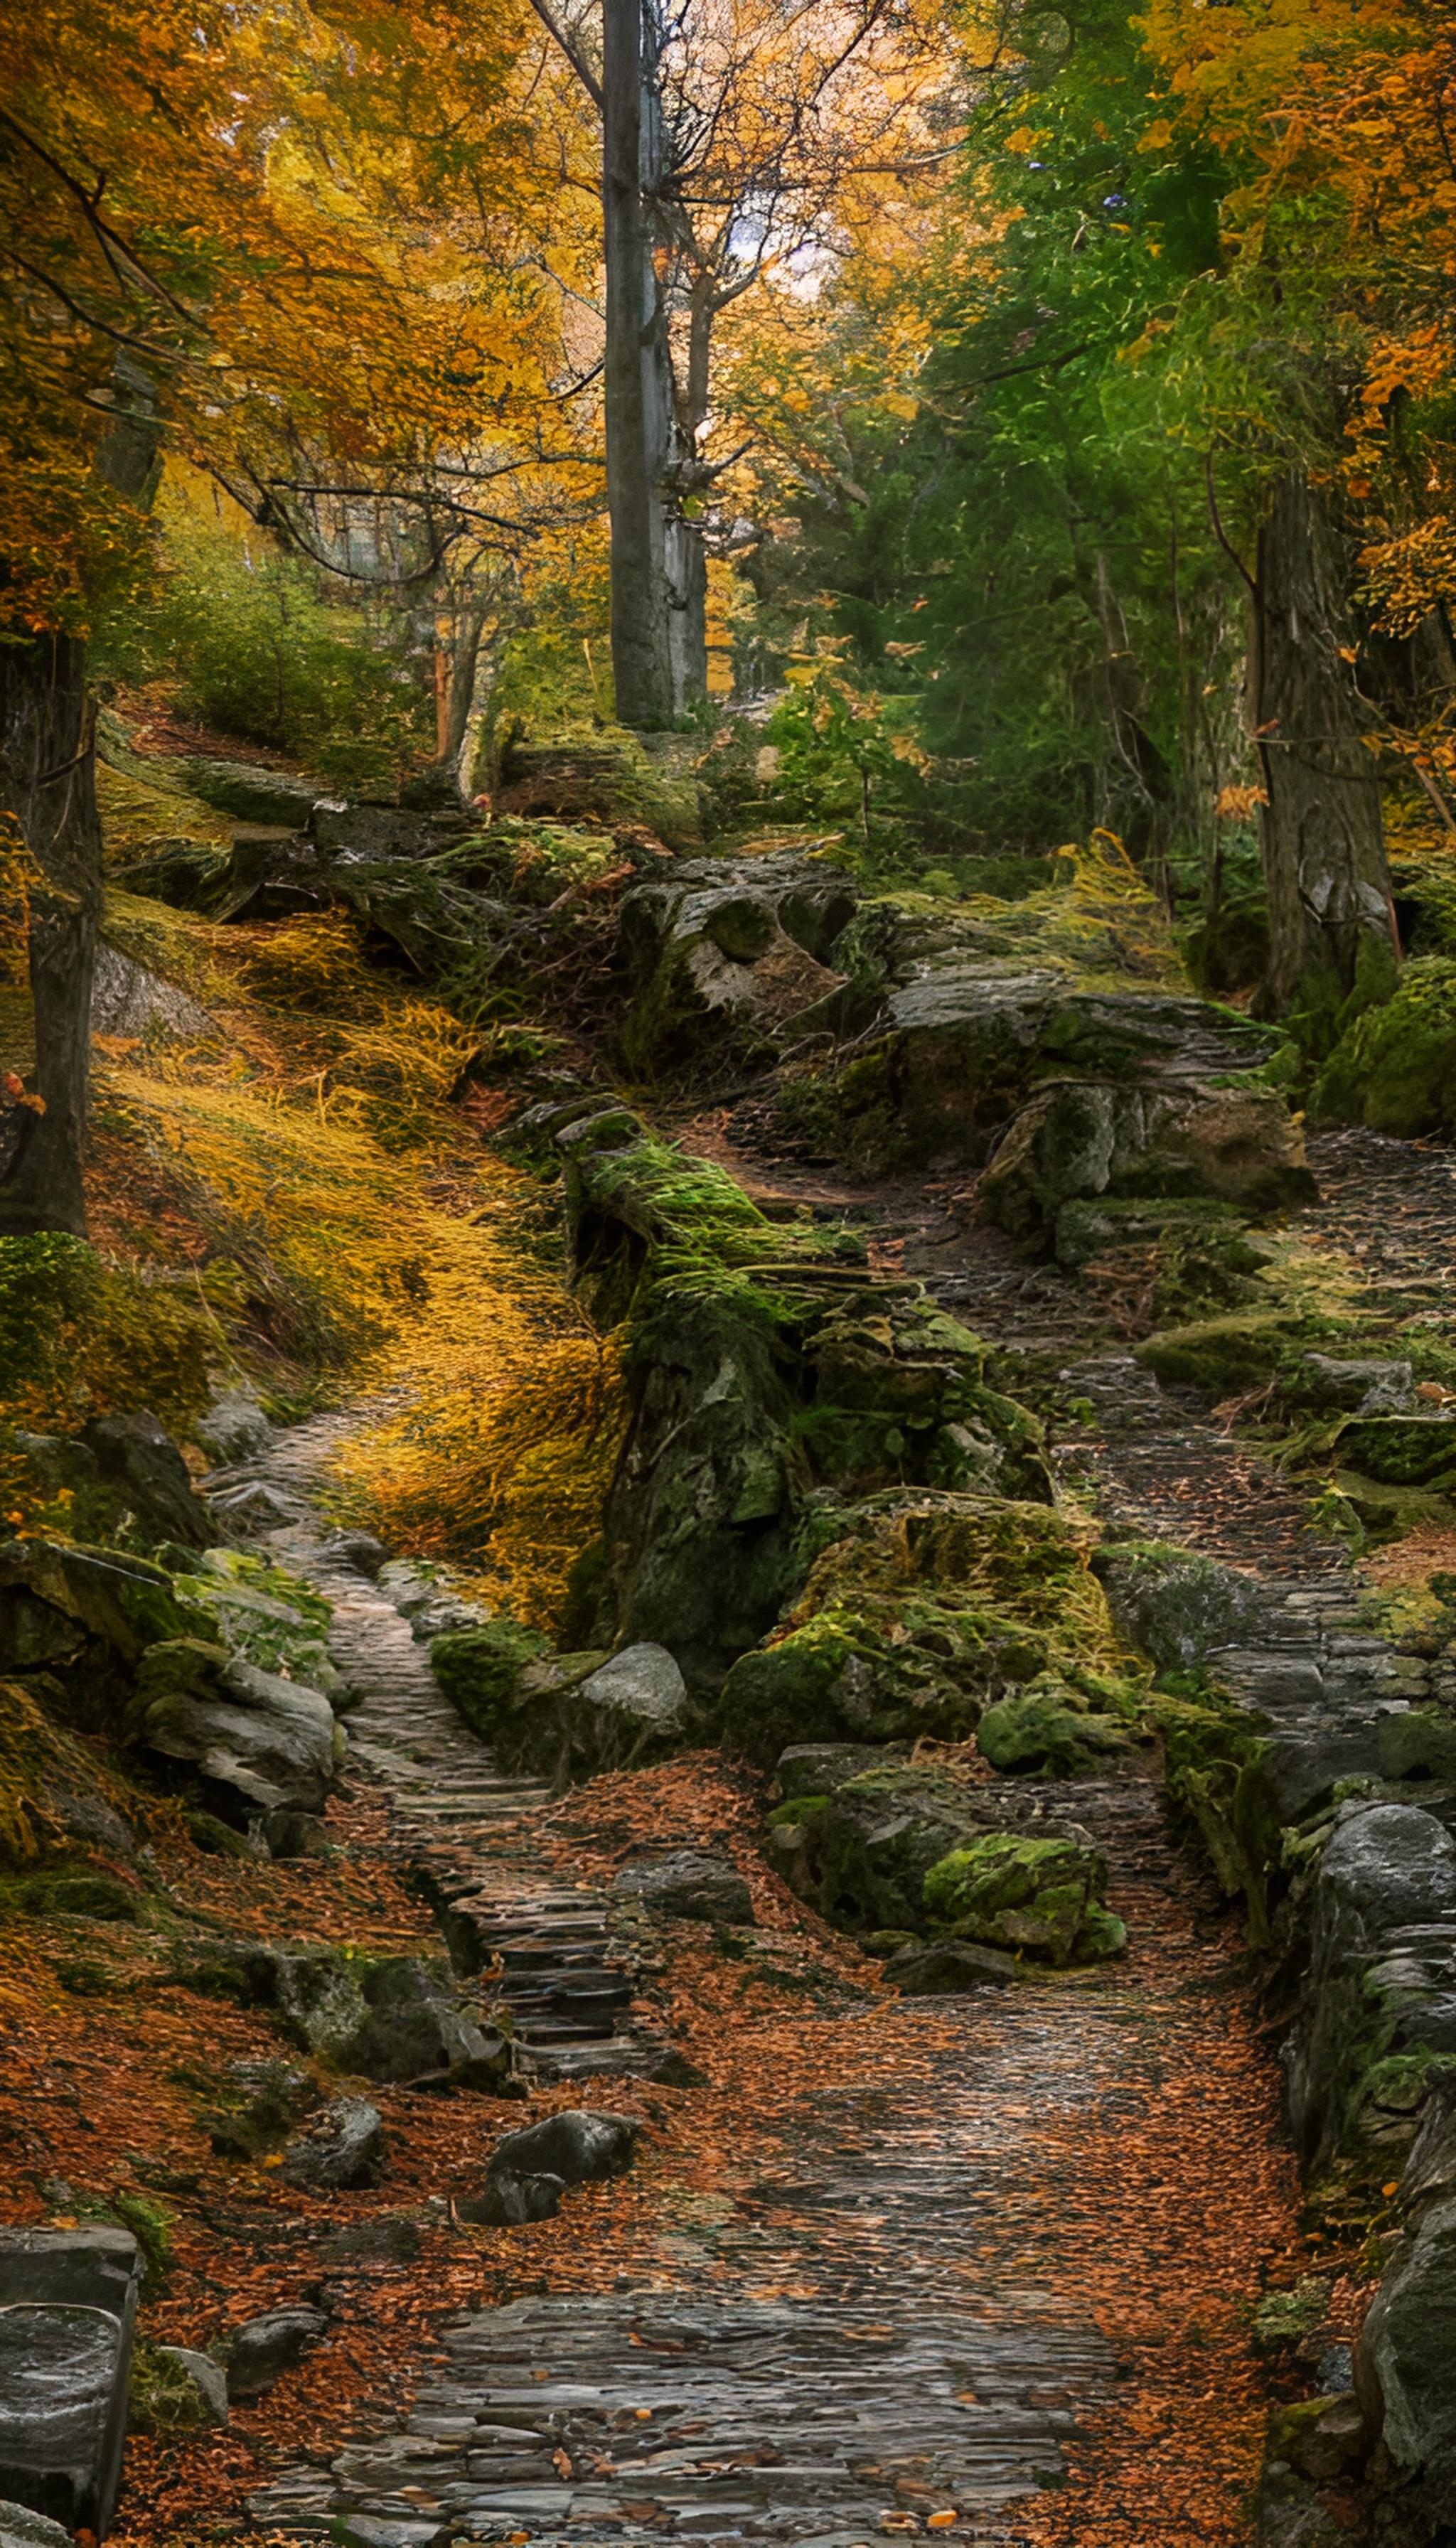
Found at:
(983, 2265)
(885, 2267)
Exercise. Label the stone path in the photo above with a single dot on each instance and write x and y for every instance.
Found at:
(936, 2350)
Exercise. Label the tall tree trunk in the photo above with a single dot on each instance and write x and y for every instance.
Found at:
(48, 787)
(48, 777)
(638, 384)
(1334, 943)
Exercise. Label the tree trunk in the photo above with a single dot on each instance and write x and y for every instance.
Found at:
(48, 776)
(638, 384)
(1333, 945)
(48, 787)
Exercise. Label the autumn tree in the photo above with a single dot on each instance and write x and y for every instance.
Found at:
(230, 236)
(733, 137)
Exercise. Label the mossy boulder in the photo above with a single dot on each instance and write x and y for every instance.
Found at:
(1394, 1068)
(1402, 1450)
(859, 1856)
(920, 1613)
(527, 1704)
(378, 2017)
(768, 1373)
(1083, 1138)
(722, 955)
(1044, 1898)
(1221, 1356)
(1175, 1605)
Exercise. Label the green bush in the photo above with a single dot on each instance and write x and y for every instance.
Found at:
(260, 647)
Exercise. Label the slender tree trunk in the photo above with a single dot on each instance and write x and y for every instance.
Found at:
(1334, 943)
(49, 780)
(637, 379)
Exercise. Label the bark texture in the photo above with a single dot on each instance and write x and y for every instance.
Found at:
(1332, 922)
(48, 779)
(638, 378)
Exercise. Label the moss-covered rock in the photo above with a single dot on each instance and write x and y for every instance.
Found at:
(1185, 1138)
(1044, 1898)
(920, 1613)
(1052, 1727)
(1175, 1605)
(1221, 1356)
(767, 1372)
(725, 954)
(1394, 1068)
(860, 1853)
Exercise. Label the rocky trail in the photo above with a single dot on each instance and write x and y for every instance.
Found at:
(1022, 2256)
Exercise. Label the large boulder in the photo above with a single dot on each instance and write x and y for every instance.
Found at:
(1407, 2347)
(1383, 1931)
(1038, 1897)
(728, 952)
(138, 1456)
(264, 1740)
(921, 1612)
(563, 1716)
(1085, 1138)
(390, 2018)
(1176, 1606)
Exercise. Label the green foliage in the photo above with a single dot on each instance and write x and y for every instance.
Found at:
(268, 651)
(850, 758)
(1394, 1068)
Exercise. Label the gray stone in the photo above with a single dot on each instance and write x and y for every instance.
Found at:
(129, 1000)
(688, 1885)
(644, 1692)
(62, 2409)
(232, 1428)
(817, 1769)
(207, 2377)
(360, 1550)
(580, 2144)
(1407, 2349)
(343, 2147)
(1359, 1388)
(379, 2017)
(136, 1455)
(513, 2197)
(1389, 1868)
(273, 1740)
(920, 1971)
(289, 1834)
(259, 2353)
(21, 2528)
(1175, 1606)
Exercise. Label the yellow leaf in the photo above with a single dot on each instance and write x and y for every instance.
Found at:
(1158, 137)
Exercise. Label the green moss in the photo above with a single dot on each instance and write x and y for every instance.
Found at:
(165, 2403)
(62, 1894)
(1210, 1752)
(1221, 1356)
(1038, 1897)
(479, 1669)
(1049, 1727)
(917, 1611)
(1394, 1068)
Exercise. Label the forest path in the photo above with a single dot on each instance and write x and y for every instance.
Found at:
(929, 2254)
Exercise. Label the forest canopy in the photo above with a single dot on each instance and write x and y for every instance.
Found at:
(997, 389)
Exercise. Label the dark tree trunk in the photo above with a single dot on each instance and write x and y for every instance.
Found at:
(1333, 947)
(638, 384)
(48, 776)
